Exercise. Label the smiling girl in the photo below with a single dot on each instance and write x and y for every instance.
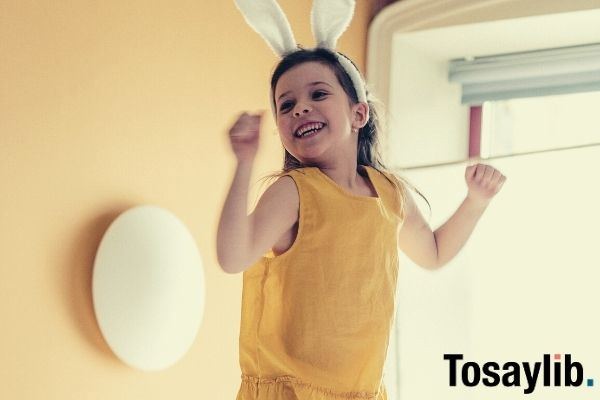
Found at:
(319, 253)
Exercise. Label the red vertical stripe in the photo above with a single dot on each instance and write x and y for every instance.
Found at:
(475, 132)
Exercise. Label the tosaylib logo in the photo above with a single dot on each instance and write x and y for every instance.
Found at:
(512, 373)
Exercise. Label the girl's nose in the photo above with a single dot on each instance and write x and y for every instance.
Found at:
(301, 109)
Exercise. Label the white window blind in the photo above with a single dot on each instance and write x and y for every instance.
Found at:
(528, 74)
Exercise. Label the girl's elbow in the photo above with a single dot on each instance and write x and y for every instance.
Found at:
(231, 264)
(432, 265)
(229, 268)
(429, 267)
(227, 264)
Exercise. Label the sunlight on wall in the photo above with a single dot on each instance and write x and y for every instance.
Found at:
(525, 284)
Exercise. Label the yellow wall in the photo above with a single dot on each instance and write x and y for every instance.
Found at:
(105, 105)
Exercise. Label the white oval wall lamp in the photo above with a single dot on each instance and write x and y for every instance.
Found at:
(148, 288)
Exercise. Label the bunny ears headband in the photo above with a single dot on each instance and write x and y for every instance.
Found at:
(329, 19)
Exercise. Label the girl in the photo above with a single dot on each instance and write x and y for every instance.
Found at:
(319, 253)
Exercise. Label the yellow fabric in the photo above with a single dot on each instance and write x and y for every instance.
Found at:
(316, 319)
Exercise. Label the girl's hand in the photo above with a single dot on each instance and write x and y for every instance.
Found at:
(244, 135)
(483, 182)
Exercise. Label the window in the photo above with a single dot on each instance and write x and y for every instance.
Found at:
(525, 125)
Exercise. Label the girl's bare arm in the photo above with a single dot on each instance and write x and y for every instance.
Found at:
(434, 249)
(241, 238)
(416, 239)
(431, 249)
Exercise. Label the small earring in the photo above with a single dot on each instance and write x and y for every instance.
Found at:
(354, 130)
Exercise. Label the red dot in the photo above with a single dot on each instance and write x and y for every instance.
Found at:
(557, 356)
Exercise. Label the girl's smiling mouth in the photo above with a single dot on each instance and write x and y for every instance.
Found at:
(309, 129)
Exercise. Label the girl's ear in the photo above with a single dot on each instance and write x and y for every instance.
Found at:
(360, 113)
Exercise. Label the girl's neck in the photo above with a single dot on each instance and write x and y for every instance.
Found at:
(346, 175)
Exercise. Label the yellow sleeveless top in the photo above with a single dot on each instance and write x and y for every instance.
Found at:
(316, 319)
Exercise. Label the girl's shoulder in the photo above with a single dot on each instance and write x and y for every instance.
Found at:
(298, 175)
(397, 186)
(393, 178)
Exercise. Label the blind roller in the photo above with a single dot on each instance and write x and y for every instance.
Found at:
(528, 74)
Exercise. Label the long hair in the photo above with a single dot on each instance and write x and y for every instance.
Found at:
(368, 152)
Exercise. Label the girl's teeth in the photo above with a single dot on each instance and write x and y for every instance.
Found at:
(313, 128)
(309, 132)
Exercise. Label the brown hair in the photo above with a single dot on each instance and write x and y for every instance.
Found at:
(368, 136)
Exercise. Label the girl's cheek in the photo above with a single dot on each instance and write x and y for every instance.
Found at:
(284, 125)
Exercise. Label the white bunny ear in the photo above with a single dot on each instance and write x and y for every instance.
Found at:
(268, 19)
(329, 19)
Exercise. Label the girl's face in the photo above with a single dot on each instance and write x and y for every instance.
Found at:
(314, 114)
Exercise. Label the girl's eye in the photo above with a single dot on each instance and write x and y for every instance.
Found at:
(285, 105)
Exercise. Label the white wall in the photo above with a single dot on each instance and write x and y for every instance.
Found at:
(525, 284)
(427, 123)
